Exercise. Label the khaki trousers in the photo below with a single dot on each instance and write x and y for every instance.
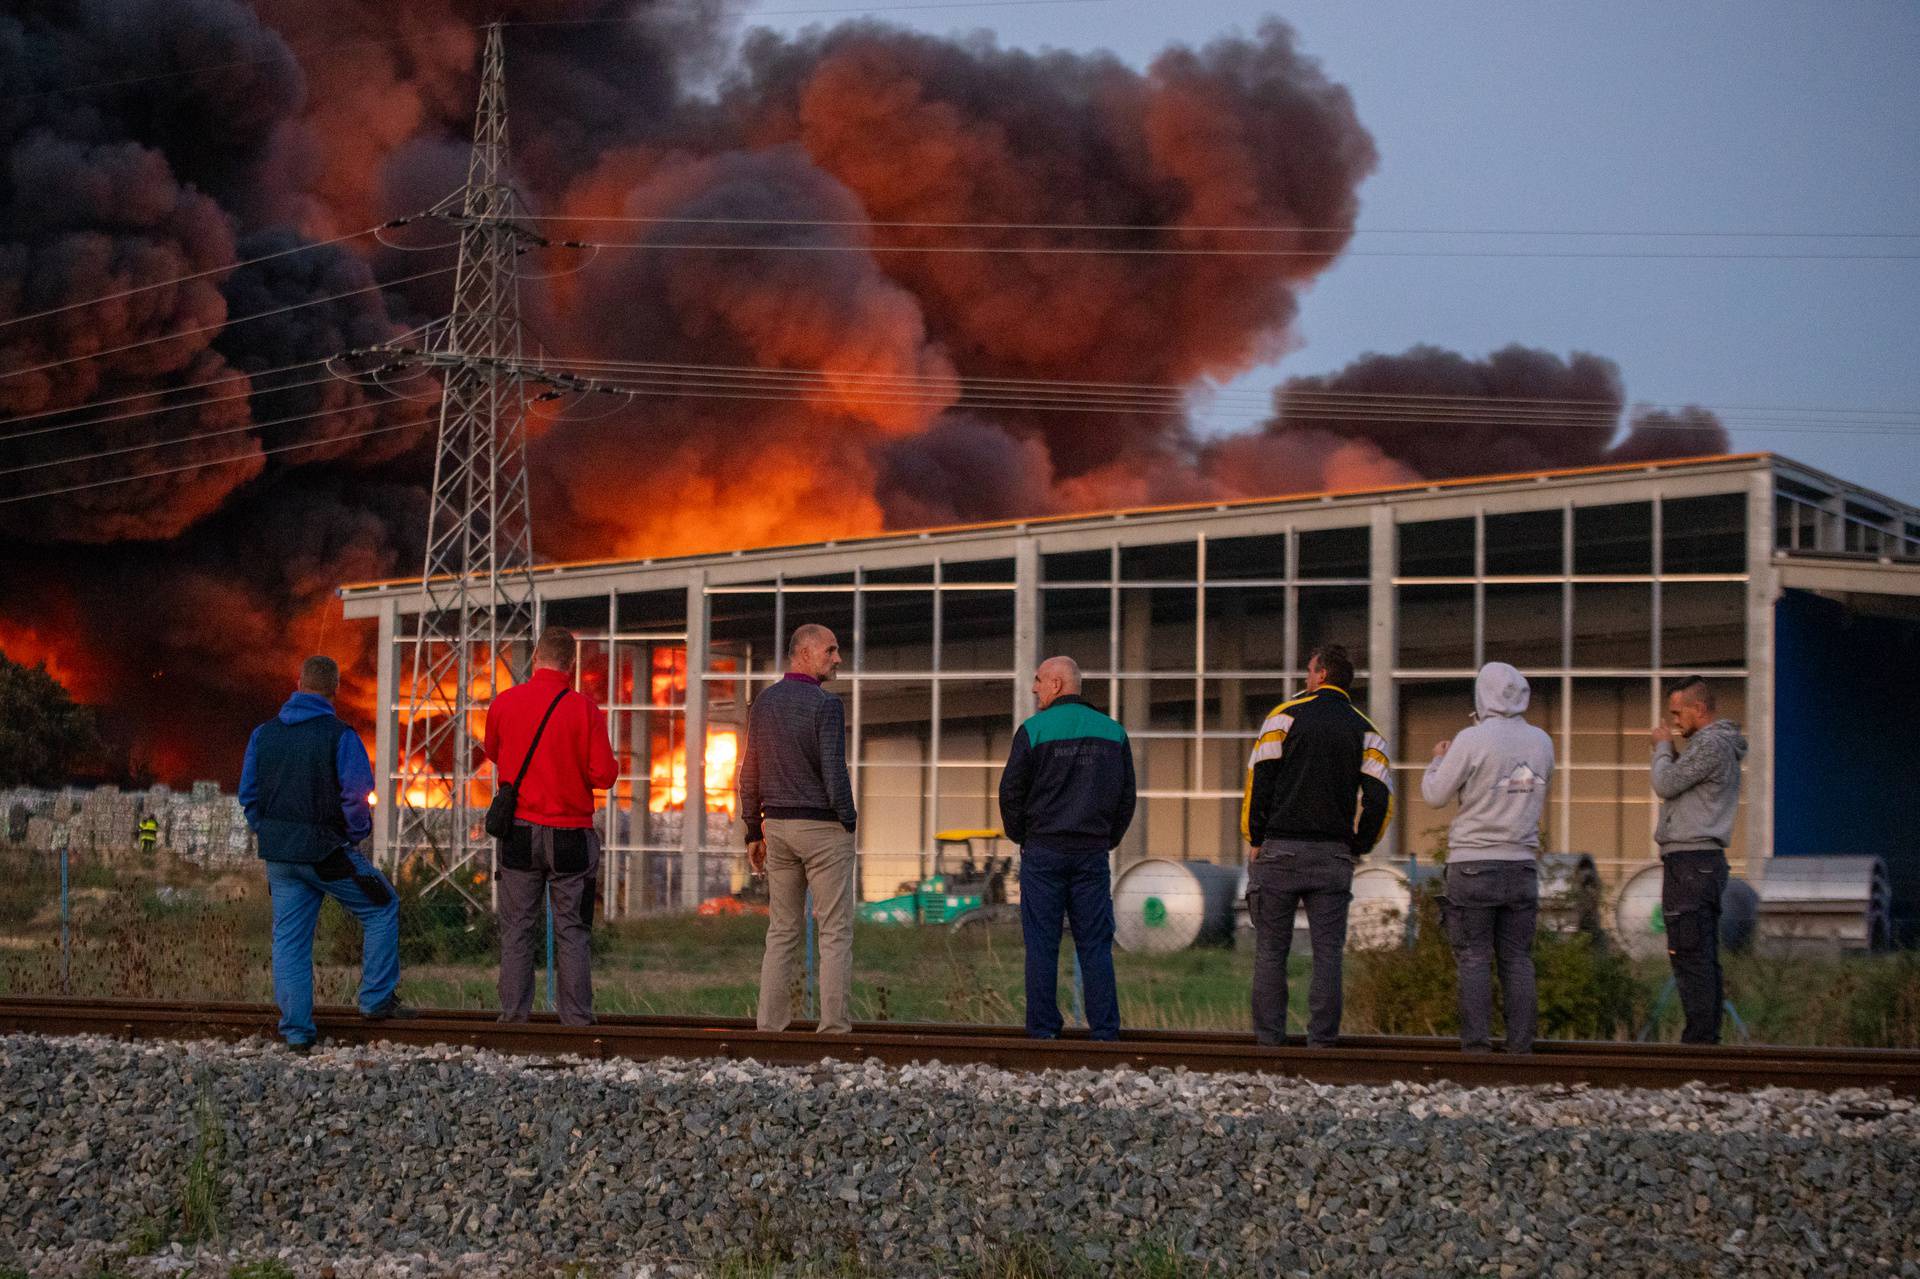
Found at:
(802, 856)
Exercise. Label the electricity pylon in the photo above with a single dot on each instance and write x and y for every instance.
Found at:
(476, 623)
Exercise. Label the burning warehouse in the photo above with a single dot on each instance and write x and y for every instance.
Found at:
(1794, 592)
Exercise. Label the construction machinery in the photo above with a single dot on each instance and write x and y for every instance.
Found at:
(968, 885)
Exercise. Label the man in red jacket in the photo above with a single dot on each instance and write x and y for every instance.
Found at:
(553, 846)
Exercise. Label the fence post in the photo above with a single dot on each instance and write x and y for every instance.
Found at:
(813, 1008)
(552, 1005)
(66, 934)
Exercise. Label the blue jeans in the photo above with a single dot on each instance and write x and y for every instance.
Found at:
(1074, 887)
(298, 890)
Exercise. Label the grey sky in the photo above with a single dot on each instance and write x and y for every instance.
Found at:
(1761, 115)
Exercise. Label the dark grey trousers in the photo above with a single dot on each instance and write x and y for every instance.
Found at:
(1285, 873)
(523, 918)
(1691, 886)
(1492, 907)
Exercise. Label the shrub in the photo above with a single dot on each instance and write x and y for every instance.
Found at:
(1885, 1009)
(1585, 986)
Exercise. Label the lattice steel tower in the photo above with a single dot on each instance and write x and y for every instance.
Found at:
(476, 623)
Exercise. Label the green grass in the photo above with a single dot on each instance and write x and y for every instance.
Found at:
(213, 944)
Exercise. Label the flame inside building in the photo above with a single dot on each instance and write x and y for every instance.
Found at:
(667, 753)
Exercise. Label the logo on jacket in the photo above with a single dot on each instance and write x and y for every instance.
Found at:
(1520, 781)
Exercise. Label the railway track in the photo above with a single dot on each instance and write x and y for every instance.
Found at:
(1359, 1060)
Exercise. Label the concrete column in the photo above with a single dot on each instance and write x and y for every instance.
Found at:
(1026, 625)
(1763, 589)
(1382, 632)
(386, 811)
(693, 827)
(1135, 712)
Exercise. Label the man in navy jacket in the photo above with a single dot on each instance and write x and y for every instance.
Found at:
(307, 790)
(1067, 798)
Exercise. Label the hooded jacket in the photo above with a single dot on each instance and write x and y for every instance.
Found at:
(305, 783)
(1699, 789)
(1498, 769)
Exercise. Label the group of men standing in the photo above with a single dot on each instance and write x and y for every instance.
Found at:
(1318, 796)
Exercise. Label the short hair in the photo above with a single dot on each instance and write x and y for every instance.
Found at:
(1069, 671)
(320, 675)
(1334, 661)
(1694, 689)
(804, 634)
(555, 649)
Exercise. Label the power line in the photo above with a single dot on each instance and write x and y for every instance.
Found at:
(225, 461)
(1179, 392)
(234, 375)
(224, 324)
(1064, 250)
(197, 436)
(198, 275)
(909, 398)
(1248, 228)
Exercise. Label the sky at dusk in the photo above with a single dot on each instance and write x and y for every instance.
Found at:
(1629, 116)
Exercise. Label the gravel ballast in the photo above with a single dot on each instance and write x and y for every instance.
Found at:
(387, 1161)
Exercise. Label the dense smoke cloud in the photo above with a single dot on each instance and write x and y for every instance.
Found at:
(840, 392)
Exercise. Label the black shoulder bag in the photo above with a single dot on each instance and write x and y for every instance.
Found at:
(507, 798)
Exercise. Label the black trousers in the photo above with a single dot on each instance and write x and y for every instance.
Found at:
(1691, 885)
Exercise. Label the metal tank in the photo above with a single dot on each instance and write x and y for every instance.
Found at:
(1162, 905)
(1640, 926)
(1826, 903)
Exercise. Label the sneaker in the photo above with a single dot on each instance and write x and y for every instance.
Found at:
(392, 1010)
(300, 1049)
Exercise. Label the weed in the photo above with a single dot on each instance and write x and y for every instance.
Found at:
(148, 1236)
(201, 1198)
(1029, 1258)
(270, 1268)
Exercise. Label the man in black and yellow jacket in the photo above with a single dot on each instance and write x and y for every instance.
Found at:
(1066, 797)
(1318, 762)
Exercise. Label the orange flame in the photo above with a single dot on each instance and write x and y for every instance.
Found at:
(667, 777)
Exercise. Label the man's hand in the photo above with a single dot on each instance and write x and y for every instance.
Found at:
(1440, 747)
(757, 856)
(1662, 735)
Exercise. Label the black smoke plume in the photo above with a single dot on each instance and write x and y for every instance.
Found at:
(146, 140)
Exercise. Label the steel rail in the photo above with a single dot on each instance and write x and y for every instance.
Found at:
(1358, 1060)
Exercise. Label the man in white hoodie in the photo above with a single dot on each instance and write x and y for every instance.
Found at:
(1498, 770)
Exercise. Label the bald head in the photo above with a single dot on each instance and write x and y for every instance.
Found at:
(813, 650)
(1055, 678)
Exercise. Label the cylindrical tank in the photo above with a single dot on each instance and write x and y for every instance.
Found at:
(1382, 912)
(1162, 905)
(1641, 927)
(1570, 893)
(1842, 903)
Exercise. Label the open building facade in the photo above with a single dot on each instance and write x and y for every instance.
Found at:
(1796, 594)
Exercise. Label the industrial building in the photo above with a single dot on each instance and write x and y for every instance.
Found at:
(1797, 594)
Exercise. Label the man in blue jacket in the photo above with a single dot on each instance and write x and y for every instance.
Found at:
(307, 789)
(1067, 797)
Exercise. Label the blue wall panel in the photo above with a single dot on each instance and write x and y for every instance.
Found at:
(1847, 741)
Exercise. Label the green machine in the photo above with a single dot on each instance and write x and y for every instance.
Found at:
(968, 885)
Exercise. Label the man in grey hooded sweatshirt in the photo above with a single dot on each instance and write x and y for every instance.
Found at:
(1498, 770)
(1699, 790)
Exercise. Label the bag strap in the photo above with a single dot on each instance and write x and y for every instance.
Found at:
(534, 745)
